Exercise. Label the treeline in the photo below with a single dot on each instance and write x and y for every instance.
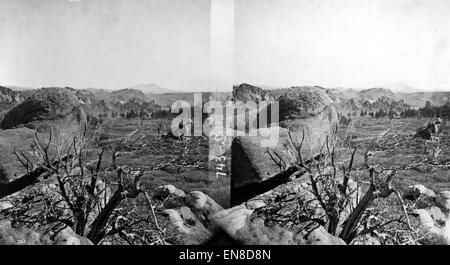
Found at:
(159, 113)
(375, 114)
(428, 111)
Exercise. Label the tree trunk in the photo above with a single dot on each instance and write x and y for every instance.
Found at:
(356, 215)
(24, 181)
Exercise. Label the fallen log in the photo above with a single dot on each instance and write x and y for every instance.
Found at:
(34, 176)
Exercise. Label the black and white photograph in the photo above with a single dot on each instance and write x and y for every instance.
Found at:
(224, 123)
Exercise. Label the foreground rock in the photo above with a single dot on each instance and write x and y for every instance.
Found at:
(255, 168)
(25, 236)
(443, 201)
(413, 192)
(189, 214)
(287, 214)
(435, 219)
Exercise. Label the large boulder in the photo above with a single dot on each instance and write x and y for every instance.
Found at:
(429, 130)
(308, 110)
(46, 108)
(308, 122)
(256, 168)
(245, 92)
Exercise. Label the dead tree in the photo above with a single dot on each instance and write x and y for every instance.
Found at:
(334, 195)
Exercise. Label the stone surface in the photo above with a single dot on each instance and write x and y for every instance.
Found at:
(435, 220)
(287, 214)
(25, 236)
(172, 196)
(188, 214)
(68, 237)
(46, 108)
(5, 205)
(443, 200)
(185, 221)
(413, 192)
(233, 219)
(308, 115)
(165, 191)
(429, 130)
(245, 92)
(203, 206)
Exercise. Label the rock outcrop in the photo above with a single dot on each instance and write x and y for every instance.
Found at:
(287, 214)
(9, 96)
(245, 92)
(46, 108)
(434, 220)
(413, 192)
(25, 236)
(188, 214)
(270, 218)
(307, 115)
(429, 130)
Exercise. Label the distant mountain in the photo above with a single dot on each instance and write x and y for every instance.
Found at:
(20, 88)
(152, 89)
(401, 87)
(167, 99)
(418, 99)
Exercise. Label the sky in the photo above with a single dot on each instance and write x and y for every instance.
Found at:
(105, 43)
(198, 45)
(348, 43)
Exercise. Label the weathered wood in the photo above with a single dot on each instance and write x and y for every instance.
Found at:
(27, 179)
(22, 182)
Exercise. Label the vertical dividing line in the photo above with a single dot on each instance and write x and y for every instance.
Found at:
(221, 65)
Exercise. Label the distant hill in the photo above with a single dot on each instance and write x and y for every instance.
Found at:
(20, 88)
(399, 92)
(400, 87)
(152, 89)
(127, 94)
(168, 99)
(373, 94)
